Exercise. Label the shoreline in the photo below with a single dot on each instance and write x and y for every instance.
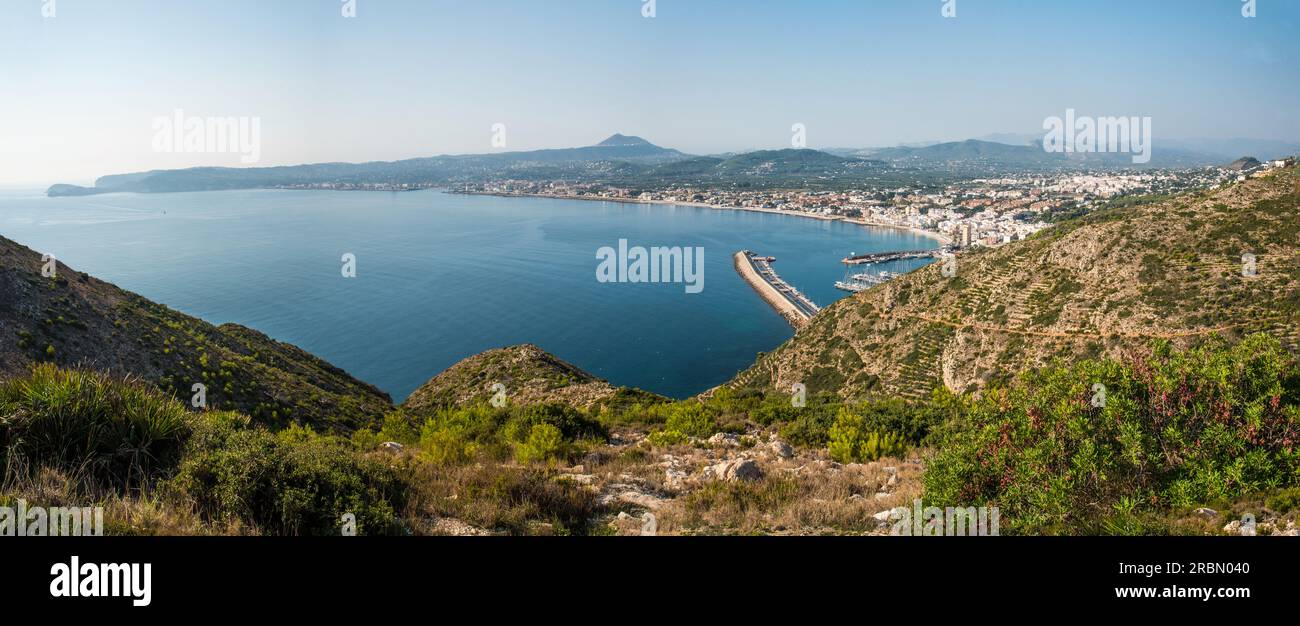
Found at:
(943, 240)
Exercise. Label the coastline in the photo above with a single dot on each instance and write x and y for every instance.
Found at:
(943, 240)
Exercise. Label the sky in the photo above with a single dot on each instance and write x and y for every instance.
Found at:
(81, 90)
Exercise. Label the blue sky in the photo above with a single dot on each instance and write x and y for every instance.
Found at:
(412, 78)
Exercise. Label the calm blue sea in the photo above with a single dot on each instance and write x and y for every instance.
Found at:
(441, 277)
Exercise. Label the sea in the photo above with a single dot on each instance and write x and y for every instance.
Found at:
(437, 277)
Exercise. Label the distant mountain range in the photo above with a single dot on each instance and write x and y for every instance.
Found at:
(633, 161)
(1217, 149)
(604, 158)
(618, 159)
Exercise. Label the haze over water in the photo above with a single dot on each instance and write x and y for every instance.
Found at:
(441, 277)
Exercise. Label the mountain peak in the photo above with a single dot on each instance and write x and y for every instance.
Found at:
(533, 376)
(624, 140)
(1244, 163)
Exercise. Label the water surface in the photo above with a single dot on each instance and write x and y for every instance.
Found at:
(442, 276)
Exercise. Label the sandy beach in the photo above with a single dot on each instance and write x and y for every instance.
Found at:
(701, 205)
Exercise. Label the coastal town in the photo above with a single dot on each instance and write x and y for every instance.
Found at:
(986, 212)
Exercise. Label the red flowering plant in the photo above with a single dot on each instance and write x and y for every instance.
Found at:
(1061, 449)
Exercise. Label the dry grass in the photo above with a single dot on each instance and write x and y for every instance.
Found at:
(817, 498)
(496, 498)
(132, 513)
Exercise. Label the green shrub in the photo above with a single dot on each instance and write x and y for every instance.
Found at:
(852, 442)
(1285, 501)
(910, 423)
(571, 423)
(544, 442)
(399, 427)
(1176, 430)
(293, 484)
(444, 446)
(811, 429)
(126, 436)
(775, 411)
(667, 438)
(367, 439)
(479, 423)
(878, 445)
(691, 419)
(120, 431)
(529, 433)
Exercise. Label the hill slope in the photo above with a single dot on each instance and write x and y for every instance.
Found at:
(1102, 284)
(974, 153)
(528, 375)
(73, 319)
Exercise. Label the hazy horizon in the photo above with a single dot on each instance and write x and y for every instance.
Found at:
(407, 79)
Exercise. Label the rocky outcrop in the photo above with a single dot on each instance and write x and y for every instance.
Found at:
(734, 470)
(518, 375)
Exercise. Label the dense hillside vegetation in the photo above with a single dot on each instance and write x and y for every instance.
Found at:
(1095, 286)
(1104, 446)
(1177, 431)
(525, 375)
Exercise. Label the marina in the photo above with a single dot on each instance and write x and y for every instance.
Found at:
(757, 270)
(865, 280)
(882, 257)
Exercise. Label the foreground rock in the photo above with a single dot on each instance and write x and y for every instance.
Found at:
(734, 470)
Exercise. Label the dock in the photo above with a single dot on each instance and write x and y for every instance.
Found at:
(757, 270)
(864, 281)
(881, 257)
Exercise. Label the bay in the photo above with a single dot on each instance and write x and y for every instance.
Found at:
(444, 276)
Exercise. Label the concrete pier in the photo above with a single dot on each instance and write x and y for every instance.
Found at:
(795, 307)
